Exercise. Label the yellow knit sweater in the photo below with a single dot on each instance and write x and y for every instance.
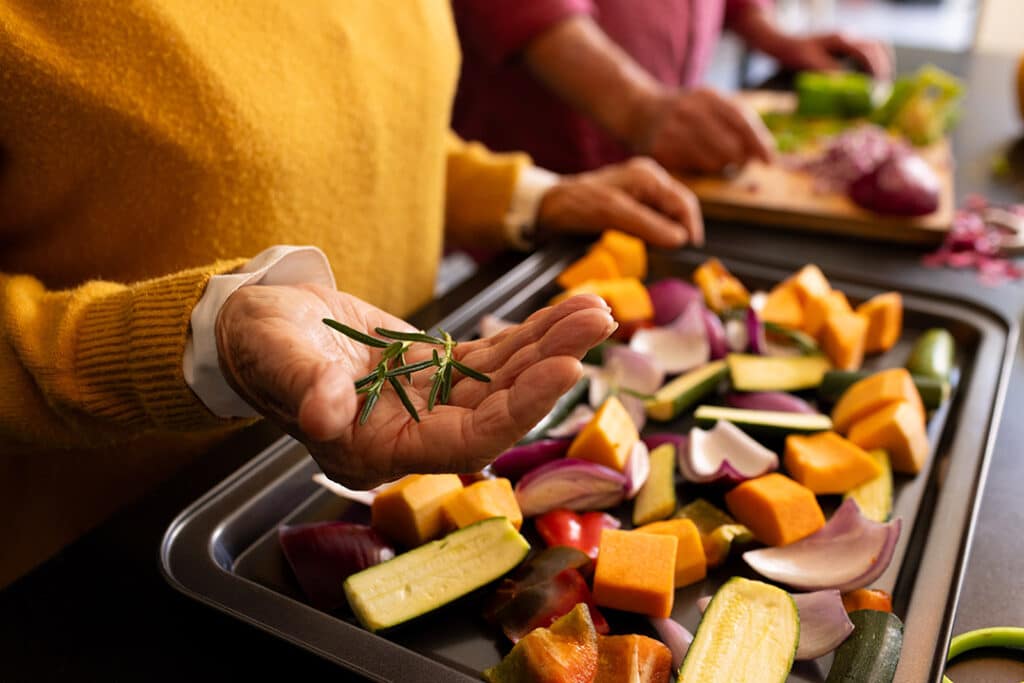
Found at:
(145, 146)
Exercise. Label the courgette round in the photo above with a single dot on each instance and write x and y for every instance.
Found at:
(932, 355)
(1010, 637)
(872, 651)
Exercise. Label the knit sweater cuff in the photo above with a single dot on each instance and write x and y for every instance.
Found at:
(129, 349)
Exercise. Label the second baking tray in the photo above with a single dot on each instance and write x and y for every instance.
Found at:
(223, 550)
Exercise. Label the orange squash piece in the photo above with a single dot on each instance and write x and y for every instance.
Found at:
(867, 598)
(633, 658)
(898, 429)
(630, 253)
(885, 321)
(810, 283)
(873, 392)
(827, 463)
(410, 511)
(721, 290)
(783, 307)
(608, 438)
(597, 264)
(483, 500)
(776, 509)
(626, 296)
(842, 339)
(636, 572)
(818, 310)
(691, 564)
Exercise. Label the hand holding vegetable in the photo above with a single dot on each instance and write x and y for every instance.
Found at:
(279, 356)
(824, 52)
(638, 197)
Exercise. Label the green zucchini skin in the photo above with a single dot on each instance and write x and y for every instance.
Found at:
(872, 652)
(563, 406)
(763, 424)
(932, 355)
(934, 392)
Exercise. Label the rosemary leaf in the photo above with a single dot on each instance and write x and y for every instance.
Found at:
(355, 334)
(393, 350)
(366, 379)
(470, 372)
(446, 383)
(435, 388)
(404, 398)
(371, 401)
(408, 336)
(637, 394)
(409, 369)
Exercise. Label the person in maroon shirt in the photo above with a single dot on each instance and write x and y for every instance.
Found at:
(582, 83)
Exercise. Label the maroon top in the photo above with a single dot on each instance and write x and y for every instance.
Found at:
(501, 104)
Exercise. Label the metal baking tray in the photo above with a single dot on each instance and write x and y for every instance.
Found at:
(223, 549)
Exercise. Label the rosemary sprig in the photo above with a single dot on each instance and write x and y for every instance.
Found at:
(392, 365)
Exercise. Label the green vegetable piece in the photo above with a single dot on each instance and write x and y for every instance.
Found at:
(872, 651)
(565, 651)
(932, 355)
(934, 392)
(718, 531)
(748, 634)
(922, 106)
(801, 340)
(835, 95)
(768, 424)
(874, 497)
(1009, 637)
(773, 373)
(685, 390)
(657, 498)
(434, 574)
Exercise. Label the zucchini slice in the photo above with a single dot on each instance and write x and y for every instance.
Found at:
(872, 651)
(685, 390)
(932, 354)
(765, 423)
(874, 497)
(748, 634)
(776, 373)
(657, 498)
(934, 392)
(434, 574)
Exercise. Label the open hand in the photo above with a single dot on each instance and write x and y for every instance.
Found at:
(279, 356)
(638, 197)
(825, 51)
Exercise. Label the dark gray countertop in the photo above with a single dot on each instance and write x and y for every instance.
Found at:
(101, 611)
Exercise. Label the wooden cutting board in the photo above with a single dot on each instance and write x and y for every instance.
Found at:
(778, 196)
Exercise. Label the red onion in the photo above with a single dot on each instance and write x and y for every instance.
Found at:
(569, 483)
(850, 155)
(675, 636)
(638, 468)
(849, 552)
(715, 332)
(518, 460)
(575, 421)
(629, 369)
(978, 232)
(777, 401)
(824, 624)
(670, 298)
(902, 185)
(680, 346)
(755, 332)
(736, 335)
(726, 453)
(323, 554)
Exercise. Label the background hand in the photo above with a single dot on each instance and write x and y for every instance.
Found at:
(824, 52)
(637, 196)
(702, 130)
(279, 356)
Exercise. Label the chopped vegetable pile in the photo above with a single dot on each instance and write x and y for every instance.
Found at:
(759, 476)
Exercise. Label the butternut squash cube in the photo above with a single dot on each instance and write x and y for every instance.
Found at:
(783, 307)
(410, 511)
(827, 463)
(626, 296)
(842, 339)
(776, 509)
(721, 290)
(608, 438)
(873, 392)
(810, 283)
(898, 429)
(597, 264)
(885, 321)
(483, 500)
(691, 564)
(819, 309)
(630, 253)
(636, 572)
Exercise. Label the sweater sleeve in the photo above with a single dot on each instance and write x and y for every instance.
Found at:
(479, 187)
(99, 363)
(497, 29)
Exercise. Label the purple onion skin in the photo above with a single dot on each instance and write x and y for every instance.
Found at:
(518, 460)
(670, 298)
(716, 333)
(755, 332)
(323, 554)
(902, 185)
(778, 401)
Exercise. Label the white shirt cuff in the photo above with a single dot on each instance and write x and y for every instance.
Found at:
(531, 186)
(280, 265)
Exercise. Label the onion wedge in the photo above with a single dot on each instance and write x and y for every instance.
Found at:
(569, 483)
(849, 552)
(725, 452)
(677, 347)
